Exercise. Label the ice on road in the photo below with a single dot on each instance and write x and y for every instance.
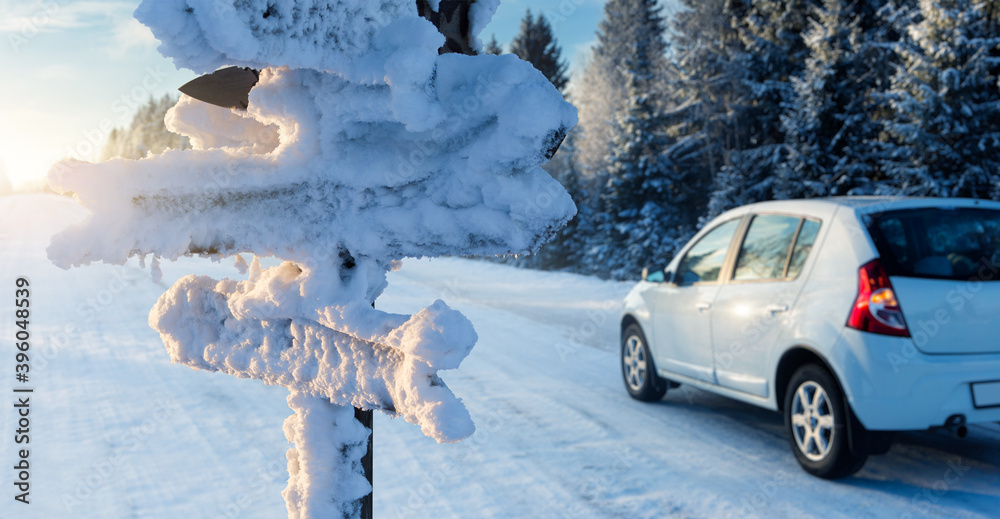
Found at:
(117, 431)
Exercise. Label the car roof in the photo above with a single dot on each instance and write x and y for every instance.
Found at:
(859, 204)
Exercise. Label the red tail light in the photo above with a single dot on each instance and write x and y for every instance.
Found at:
(876, 309)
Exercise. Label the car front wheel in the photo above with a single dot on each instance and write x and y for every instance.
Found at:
(638, 370)
(815, 416)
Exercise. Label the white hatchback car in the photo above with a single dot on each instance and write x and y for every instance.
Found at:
(855, 317)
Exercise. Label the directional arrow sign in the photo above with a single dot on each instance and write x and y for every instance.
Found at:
(359, 146)
(351, 177)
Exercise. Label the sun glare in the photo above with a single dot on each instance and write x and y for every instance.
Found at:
(26, 166)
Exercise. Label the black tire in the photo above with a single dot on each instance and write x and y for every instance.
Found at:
(638, 370)
(816, 422)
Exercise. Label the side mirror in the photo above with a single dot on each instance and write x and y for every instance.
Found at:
(656, 276)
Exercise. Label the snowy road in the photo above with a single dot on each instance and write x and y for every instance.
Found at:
(116, 431)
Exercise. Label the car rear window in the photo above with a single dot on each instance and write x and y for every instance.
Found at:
(942, 243)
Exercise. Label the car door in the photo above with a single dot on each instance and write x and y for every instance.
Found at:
(751, 308)
(682, 319)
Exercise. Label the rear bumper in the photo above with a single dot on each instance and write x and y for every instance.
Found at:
(893, 386)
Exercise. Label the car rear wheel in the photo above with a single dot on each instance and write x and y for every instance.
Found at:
(638, 369)
(816, 419)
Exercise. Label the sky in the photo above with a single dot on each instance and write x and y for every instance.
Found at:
(74, 69)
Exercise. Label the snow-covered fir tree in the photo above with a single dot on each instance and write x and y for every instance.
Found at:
(492, 46)
(769, 53)
(599, 91)
(146, 134)
(638, 224)
(946, 99)
(708, 88)
(771, 99)
(536, 44)
(832, 125)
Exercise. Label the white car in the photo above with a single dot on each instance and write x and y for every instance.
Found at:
(855, 317)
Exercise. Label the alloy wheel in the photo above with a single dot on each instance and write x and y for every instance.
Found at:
(813, 421)
(634, 360)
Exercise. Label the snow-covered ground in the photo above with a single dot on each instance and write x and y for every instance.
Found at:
(117, 431)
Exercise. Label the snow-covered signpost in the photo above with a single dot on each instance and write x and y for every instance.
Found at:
(361, 145)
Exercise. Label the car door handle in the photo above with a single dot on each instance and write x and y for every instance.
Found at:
(703, 307)
(777, 309)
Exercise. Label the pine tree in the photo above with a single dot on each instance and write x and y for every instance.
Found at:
(632, 219)
(146, 134)
(946, 99)
(493, 47)
(536, 44)
(639, 223)
(708, 86)
(832, 125)
(600, 91)
(769, 54)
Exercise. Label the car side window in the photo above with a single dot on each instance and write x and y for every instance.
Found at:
(804, 244)
(705, 259)
(765, 249)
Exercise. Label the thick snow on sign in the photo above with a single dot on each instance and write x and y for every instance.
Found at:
(392, 365)
(351, 37)
(360, 146)
(346, 174)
